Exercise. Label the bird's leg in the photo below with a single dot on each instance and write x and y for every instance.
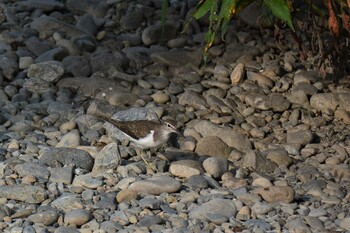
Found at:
(153, 168)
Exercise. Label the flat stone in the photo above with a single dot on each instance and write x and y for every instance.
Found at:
(213, 146)
(301, 137)
(186, 168)
(156, 185)
(38, 170)
(67, 202)
(62, 175)
(68, 156)
(23, 192)
(46, 218)
(77, 217)
(231, 137)
(178, 58)
(217, 206)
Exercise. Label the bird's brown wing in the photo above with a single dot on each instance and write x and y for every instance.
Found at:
(135, 129)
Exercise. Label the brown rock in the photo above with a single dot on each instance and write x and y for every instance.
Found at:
(213, 146)
(283, 194)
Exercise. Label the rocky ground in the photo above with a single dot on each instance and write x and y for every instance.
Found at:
(265, 144)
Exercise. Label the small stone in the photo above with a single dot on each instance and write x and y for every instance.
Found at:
(77, 217)
(25, 62)
(45, 218)
(156, 185)
(160, 97)
(62, 175)
(283, 194)
(345, 223)
(215, 166)
(197, 181)
(212, 146)
(108, 158)
(49, 71)
(186, 168)
(237, 74)
(70, 140)
(243, 214)
(87, 181)
(222, 208)
(126, 195)
(301, 137)
(262, 182)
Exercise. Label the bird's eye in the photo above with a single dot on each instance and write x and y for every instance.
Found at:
(169, 125)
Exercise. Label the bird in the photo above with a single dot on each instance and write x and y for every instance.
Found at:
(146, 134)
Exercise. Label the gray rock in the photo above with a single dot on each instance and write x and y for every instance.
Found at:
(197, 182)
(215, 166)
(67, 202)
(302, 137)
(103, 62)
(38, 47)
(261, 208)
(77, 217)
(213, 209)
(298, 97)
(23, 192)
(257, 100)
(47, 25)
(186, 168)
(56, 54)
(191, 98)
(87, 181)
(69, 157)
(258, 162)
(108, 158)
(306, 77)
(46, 218)
(236, 50)
(49, 71)
(177, 58)
(86, 23)
(278, 103)
(38, 86)
(9, 64)
(298, 224)
(213, 146)
(44, 5)
(231, 137)
(148, 221)
(280, 157)
(78, 66)
(132, 19)
(262, 80)
(345, 223)
(63, 229)
(70, 140)
(156, 185)
(38, 170)
(62, 175)
(153, 34)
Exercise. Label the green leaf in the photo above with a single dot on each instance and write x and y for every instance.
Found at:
(281, 10)
(204, 8)
(164, 13)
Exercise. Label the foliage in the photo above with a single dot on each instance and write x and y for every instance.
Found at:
(221, 11)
